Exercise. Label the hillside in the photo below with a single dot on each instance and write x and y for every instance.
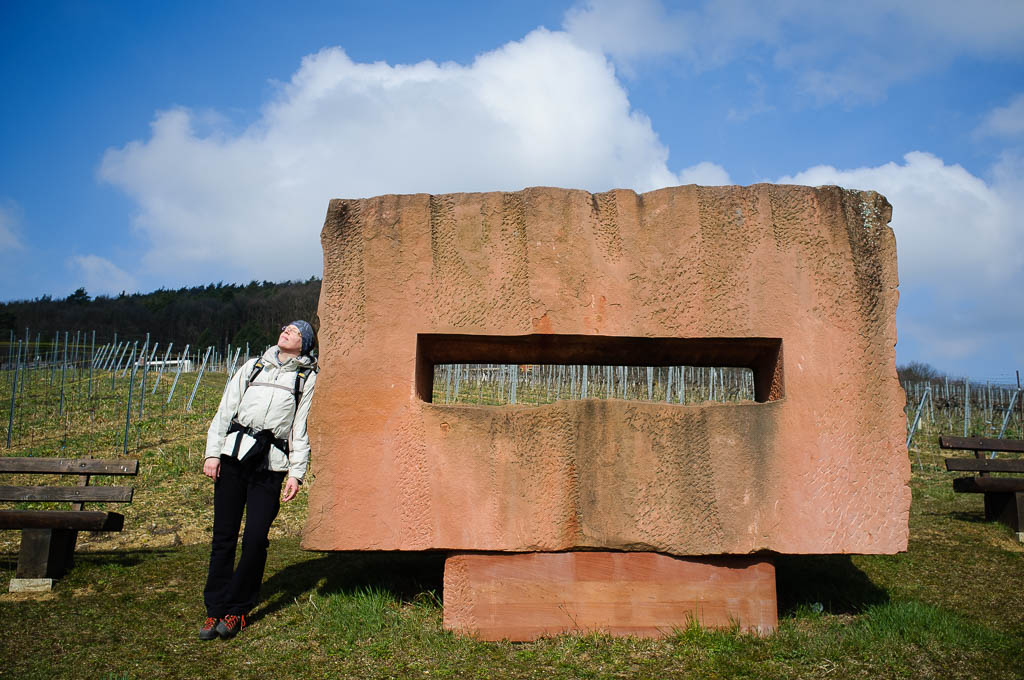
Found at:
(216, 314)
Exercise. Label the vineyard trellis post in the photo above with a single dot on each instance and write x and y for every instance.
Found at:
(14, 390)
(917, 419)
(54, 354)
(230, 370)
(63, 370)
(1006, 419)
(24, 364)
(174, 384)
(967, 403)
(177, 374)
(163, 365)
(131, 359)
(202, 369)
(101, 360)
(128, 409)
(75, 372)
(92, 353)
(117, 366)
(145, 369)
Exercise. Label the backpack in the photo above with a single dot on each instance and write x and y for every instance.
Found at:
(300, 379)
(265, 438)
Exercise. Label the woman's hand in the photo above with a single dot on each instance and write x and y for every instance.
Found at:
(211, 468)
(291, 488)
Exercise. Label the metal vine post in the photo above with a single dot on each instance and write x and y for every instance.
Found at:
(199, 377)
(128, 409)
(14, 392)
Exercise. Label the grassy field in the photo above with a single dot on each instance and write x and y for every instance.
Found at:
(952, 606)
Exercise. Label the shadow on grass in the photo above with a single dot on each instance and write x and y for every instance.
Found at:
(404, 575)
(833, 581)
(976, 517)
(95, 558)
(802, 581)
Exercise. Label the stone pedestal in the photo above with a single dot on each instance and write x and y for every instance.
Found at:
(522, 597)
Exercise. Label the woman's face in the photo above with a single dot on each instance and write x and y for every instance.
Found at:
(290, 340)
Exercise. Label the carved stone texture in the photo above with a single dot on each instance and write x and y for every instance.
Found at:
(797, 283)
(526, 596)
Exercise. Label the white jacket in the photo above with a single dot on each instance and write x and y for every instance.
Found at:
(267, 404)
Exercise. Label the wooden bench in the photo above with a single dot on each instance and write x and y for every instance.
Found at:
(1004, 496)
(48, 537)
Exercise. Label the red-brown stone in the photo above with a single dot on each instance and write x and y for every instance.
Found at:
(687, 275)
(526, 596)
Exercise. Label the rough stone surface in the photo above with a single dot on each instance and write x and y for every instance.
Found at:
(818, 465)
(526, 596)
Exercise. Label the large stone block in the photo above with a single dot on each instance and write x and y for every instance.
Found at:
(797, 283)
(526, 596)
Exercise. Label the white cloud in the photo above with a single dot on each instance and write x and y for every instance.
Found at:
(540, 111)
(10, 226)
(629, 30)
(100, 276)
(1004, 121)
(960, 246)
(835, 50)
(706, 174)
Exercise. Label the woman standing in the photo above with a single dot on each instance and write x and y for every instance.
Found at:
(256, 441)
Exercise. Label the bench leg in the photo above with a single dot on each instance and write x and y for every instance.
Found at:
(46, 553)
(1007, 508)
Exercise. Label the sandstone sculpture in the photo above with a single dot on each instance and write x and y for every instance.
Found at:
(797, 283)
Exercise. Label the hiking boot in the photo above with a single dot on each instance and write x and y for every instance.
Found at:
(208, 631)
(229, 626)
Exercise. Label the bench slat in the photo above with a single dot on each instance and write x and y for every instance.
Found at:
(988, 484)
(82, 520)
(981, 444)
(70, 466)
(984, 465)
(81, 494)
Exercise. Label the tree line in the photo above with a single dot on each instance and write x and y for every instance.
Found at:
(216, 314)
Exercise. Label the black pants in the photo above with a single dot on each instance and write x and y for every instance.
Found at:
(230, 589)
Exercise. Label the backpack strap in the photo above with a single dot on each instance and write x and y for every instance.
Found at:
(256, 368)
(300, 383)
(300, 379)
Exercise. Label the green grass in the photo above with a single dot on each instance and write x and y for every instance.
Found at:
(952, 606)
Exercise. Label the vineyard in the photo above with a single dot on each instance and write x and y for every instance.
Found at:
(74, 398)
(498, 384)
(380, 615)
(944, 406)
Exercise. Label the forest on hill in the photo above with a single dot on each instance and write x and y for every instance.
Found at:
(216, 314)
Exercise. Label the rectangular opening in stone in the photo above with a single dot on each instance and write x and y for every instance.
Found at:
(537, 384)
(537, 369)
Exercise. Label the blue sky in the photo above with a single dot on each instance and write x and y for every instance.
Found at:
(147, 145)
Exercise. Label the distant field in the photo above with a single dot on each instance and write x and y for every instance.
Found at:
(952, 606)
